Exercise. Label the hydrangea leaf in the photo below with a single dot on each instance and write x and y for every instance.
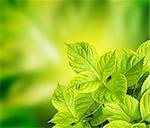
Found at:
(144, 50)
(85, 82)
(98, 117)
(118, 124)
(63, 99)
(57, 126)
(63, 119)
(139, 125)
(106, 65)
(99, 94)
(124, 124)
(82, 125)
(103, 95)
(145, 106)
(129, 64)
(129, 111)
(82, 57)
(118, 86)
(83, 104)
(146, 85)
(77, 125)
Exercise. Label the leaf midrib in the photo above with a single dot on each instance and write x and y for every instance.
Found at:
(97, 74)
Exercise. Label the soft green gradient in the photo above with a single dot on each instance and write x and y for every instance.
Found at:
(33, 56)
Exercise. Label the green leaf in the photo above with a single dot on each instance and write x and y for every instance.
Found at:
(63, 119)
(124, 124)
(102, 95)
(106, 65)
(118, 124)
(129, 111)
(118, 86)
(77, 125)
(148, 126)
(83, 104)
(145, 106)
(144, 50)
(129, 64)
(85, 82)
(139, 125)
(82, 125)
(146, 85)
(98, 117)
(63, 99)
(57, 126)
(82, 57)
(99, 94)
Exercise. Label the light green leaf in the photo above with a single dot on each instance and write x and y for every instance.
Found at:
(124, 124)
(129, 64)
(57, 126)
(82, 125)
(63, 119)
(77, 125)
(146, 85)
(129, 111)
(99, 94)
(98, 117)
(85, 82)
(82, 57)
(92, 109)
(145, 106)
(63, 99)
(139, 125)
(144, 50)
(106, 65)
(134, 70)
(83, 104)
(118, 86)
(102, 95)
(118, 124)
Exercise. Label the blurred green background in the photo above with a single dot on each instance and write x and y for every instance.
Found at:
(33, 55)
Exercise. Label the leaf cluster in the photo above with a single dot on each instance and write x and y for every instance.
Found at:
(110, 91)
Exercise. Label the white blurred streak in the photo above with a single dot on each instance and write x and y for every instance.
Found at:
(38, 49)
(44, 44)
